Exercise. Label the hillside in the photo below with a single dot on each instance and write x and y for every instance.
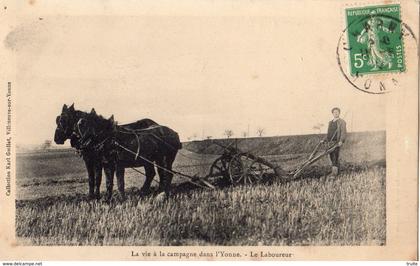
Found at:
(364, 146)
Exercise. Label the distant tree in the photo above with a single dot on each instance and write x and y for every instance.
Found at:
(244, 134)
(260, 132)
(228, 133)
(46, 145)
(194, 136)
(208, 137)
(318, 127)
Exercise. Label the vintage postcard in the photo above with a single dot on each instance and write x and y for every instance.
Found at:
(209, 130)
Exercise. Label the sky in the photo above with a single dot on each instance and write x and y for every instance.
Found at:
(198, 75)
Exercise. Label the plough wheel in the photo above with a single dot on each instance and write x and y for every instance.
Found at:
(219, 167)
(245, 170)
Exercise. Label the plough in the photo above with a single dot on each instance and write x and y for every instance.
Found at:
(239, 167)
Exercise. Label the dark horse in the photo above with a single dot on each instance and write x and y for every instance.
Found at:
(67, 129)
(120, 147)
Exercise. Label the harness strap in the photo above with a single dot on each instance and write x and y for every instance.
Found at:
(164, 169)
(138, 146)
(124, 129)
(100, 144)
(79, 130)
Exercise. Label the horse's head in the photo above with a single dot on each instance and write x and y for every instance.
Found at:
(94, 128)
(65, 124)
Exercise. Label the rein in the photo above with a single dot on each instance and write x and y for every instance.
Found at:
(136, 133)
(125, 130)
(163, 168)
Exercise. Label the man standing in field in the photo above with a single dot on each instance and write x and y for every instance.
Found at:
(336, 134)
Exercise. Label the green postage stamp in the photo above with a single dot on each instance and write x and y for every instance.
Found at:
(375, 39)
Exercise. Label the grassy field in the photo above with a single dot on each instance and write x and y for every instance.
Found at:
(52, 208)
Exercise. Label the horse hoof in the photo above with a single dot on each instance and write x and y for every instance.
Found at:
(122, 198)
(106, 201)
(144, 192)
(91, 197)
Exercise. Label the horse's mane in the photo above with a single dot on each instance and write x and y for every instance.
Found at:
(101, 121)
(79, 113)
(110, 125)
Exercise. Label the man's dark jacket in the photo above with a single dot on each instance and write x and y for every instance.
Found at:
(340, 132)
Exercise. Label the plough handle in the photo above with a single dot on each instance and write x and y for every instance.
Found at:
(315, 150)
(313, 159)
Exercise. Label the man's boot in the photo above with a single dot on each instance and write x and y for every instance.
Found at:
(334, 171)
(333, 174)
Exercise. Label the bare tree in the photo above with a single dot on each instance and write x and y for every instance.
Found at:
(46, 145)
(318, 127)
(260, 132)
(195, 136)
(228, 133)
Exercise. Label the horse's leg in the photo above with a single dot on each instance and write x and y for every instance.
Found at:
(165, 173)
(162, 177)
(168, 161)
(90, 167)
(120, 181)
(150, 174)
(98, 173)
(109, 173)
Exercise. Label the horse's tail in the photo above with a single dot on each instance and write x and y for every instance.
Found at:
(179, 143)
(168, 137)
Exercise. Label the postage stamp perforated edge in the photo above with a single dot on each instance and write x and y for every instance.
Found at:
(395, 43)
(359, 5)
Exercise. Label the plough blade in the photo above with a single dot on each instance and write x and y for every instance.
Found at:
(207, 184)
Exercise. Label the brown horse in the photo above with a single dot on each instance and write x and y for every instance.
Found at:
(120, 147)
(67, 130)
